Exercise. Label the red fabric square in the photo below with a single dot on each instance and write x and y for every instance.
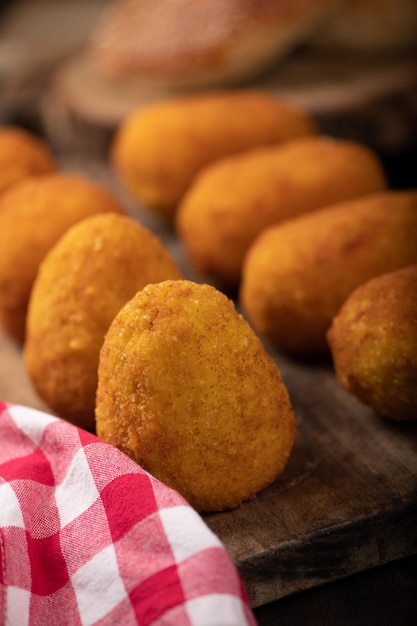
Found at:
(107, 463)
(157, 594)
(215, 563)
(122, 614)
(86, 437)
(38, 506)
(127, 500)
(85, 536)
(48, 567)
(14, 558)
(57, 608)
(143, 551)
(34, 466)
(60, 444)
(18, 444)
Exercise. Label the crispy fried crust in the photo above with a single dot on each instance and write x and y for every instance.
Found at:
(187, 390)
(373, 340)
(92, 271)
(233, 200)
(160, 148)
(33, 215)
(297, 274)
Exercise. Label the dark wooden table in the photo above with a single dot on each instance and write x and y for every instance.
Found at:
(383, 596)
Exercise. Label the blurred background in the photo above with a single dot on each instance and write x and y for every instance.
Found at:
(71, 69)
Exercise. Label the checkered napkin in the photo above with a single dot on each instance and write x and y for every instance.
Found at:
(88, 537)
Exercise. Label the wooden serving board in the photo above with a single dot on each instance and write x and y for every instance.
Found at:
(372, 100)
(347, 500)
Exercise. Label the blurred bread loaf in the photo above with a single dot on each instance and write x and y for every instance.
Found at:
(140, 52)
(201, 42)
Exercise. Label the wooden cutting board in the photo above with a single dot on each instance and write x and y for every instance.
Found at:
(372, 100)
(347, 500)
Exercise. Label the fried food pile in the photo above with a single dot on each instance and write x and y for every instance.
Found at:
(117, 339)
(92, 271)
(187, 390)
(160, 148)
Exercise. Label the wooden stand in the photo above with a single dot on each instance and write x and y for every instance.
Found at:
(369, 100)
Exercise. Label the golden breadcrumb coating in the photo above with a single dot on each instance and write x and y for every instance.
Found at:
(97, 266)
(187, 390)
(160, 148)
(297, 274)
(33, 215)
(373, 340)
(234, 199)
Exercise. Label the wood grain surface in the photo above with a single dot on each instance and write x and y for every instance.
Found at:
(347, 500)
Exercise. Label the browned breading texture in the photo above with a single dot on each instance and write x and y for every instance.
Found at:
(188, 391)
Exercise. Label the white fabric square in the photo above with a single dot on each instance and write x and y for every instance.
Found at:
(205, 610)
(77, 492)
(98, 586)
(186, 533)
(10, 511)
(17, 606)
(31, 421)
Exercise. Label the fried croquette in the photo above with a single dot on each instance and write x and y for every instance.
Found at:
(33, 215)
(187, 390)
(159, 148)
(296, 275)
(22, 155)
(234, 199)
(97, 266)
(373, 341)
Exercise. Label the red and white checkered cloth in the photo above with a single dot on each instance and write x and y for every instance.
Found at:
(88, 537)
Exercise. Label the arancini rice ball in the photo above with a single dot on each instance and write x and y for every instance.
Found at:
(34, 214)
(91, 272)
(22, 155)
(373, 341)
(187, 390)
